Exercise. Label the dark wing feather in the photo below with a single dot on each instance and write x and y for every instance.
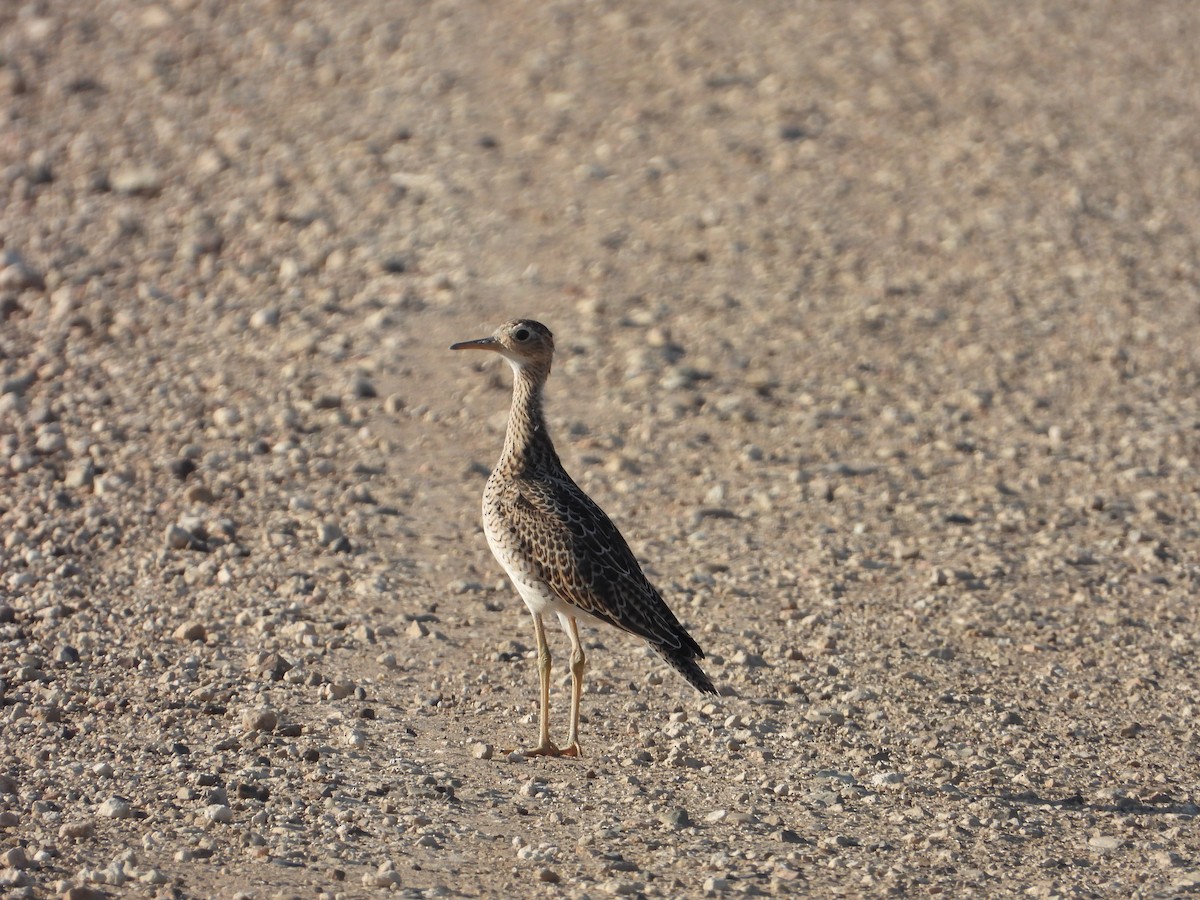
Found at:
(582, 557)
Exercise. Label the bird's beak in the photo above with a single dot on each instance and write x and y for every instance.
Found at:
(487, 343)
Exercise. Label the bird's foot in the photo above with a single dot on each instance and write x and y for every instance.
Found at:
(547, 748)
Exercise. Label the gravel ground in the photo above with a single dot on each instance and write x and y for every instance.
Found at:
(879, 332)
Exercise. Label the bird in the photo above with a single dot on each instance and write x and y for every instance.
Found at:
(563, 555)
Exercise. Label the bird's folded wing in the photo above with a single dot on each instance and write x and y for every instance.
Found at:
(585, 561)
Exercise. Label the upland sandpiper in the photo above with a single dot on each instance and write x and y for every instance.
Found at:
(561, 551)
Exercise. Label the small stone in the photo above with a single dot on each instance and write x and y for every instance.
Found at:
(268, 317)
(1104, 843)
(749, 660)
(362, 388)
(480, 750)
(14, 858)
(675, 818)
(1167, 858)
(50, 442)
(199, 493)
(416, 630)
(821, 489)
(339, 690)
(620, 888)
(21, 462)
(181, 468)
(77, 829)
(191, 631)
(272, 665)
(218, 813)
(136, 180)
(714, 885)
(383, 877)
(83, 892)
(328, 533)
(115, 808)
(16, 274)
(548, 876)
(260, 718)
(80, 474)
(9, 819)
(227, 417)
(177, 538)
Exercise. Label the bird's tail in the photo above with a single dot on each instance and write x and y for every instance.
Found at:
(683, 662)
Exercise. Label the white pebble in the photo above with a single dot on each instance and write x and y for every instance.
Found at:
(115, 808)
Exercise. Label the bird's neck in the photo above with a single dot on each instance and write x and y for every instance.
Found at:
(527, 443)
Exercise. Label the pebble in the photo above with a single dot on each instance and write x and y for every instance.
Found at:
(675, 818)
(1104, 843)
(362, 388)
(218, 813)
(115, 808)
(80, 474)
(77, 829)
(9, 819)
(339, 690)
(190, 632)
(178, 538)
(266, 317)
(136, 180)
(416, 630)
(14, 858)
(328, 533)
(480, 750)
(260, 718)
(16, 274)
(385, 876)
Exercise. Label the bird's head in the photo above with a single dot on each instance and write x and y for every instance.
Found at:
(523, 342)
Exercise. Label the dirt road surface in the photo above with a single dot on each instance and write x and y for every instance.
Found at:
(878, 330)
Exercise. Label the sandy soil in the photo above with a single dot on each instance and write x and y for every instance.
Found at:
(878, 333)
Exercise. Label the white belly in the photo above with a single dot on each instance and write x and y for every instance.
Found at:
(533, 590)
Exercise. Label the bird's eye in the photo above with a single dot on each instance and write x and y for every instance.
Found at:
(521, 334)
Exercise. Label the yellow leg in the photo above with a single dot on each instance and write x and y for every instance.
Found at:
(577, 666)
(544, 747)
